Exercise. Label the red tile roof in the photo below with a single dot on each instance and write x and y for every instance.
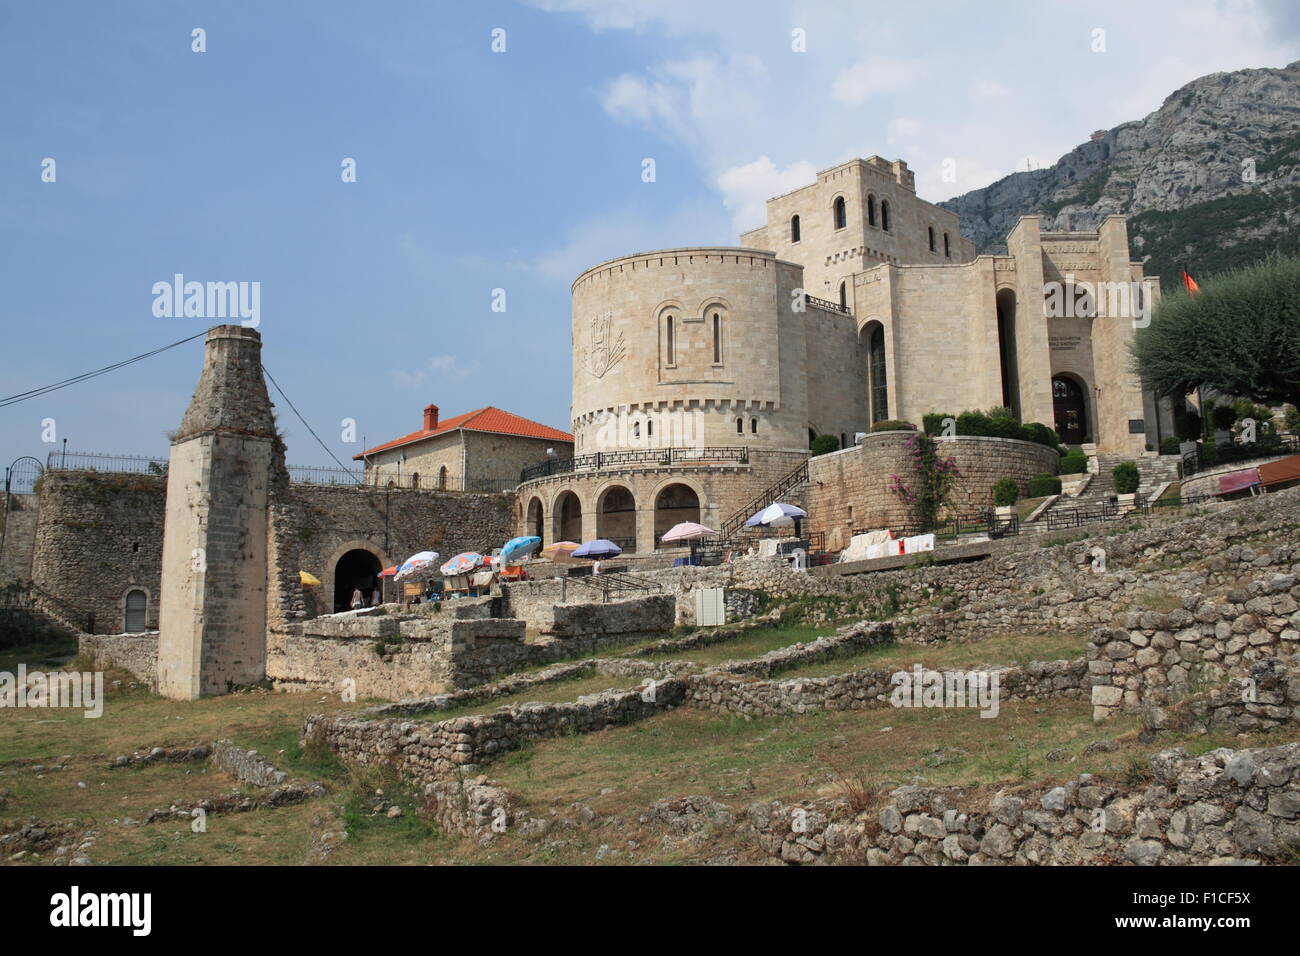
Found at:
(489, 419)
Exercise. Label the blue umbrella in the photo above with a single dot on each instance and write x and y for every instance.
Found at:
(517, 549)
(600, 548)
(777, 514)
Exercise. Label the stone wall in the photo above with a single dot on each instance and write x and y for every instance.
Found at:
(99, 536)
(853, 488)
(136, 653)
(19, 538)
(1155, 658)
(426, 752)
(1226, 807)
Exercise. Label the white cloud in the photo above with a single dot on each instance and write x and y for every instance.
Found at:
(877, 76)
(445, 367)
(746, 189)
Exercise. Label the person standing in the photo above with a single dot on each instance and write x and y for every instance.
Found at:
(357, 600)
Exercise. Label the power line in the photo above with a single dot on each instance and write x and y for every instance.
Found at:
(46, 389)
(267, 373)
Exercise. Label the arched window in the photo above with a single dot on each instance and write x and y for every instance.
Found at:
(672, 342)
(947, 249)
(415, 479)
(649, 427)
(636, 429)
(884, 214)
(871, 210)
(794, 228)
(753, 426)
(844, 296)
(931, 230)
(717, 338)
(740, 426)
(841, 217)
(877, 370)
(137, 605)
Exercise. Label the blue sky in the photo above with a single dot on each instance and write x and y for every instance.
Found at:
(479, 170)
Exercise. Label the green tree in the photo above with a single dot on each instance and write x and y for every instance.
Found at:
(1239, 335)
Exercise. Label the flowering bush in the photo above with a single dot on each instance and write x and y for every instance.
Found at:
(929, 494)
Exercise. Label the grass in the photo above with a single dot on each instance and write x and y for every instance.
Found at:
(749, 644)
(586, 681)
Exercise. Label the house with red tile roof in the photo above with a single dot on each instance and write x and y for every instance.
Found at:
(482, 450)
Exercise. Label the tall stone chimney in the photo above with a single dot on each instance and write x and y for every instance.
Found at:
(430, 417)
(212, 612)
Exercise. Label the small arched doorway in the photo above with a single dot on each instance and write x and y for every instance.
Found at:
(674, 504)
(356, 569)
(568, 517)
(1070, 410)
(616, 517)
(136, 611)
(533, 522)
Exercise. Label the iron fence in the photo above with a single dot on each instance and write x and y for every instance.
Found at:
(631, 457)
(1210, 456)
(977, 522)
(325, 475)
(99, 461)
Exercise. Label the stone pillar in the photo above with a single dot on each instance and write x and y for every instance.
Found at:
(212, 617)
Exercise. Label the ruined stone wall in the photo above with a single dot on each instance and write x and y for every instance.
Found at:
(1226, 807)
(19, 538)
(98, 536)
(1154, 659)
(136, 653)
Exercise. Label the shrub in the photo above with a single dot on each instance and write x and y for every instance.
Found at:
(1006, 492)
(1040, 433)
(933, 422)
(1292, 419)
(1191, 429)
(1040, 486)
(892, 425)
(1127, 478)
(1000, 423)
(1074, 463)
(1169, 446)
(823, 444)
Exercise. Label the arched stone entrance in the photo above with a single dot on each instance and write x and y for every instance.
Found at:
(567, 517)
(355, 569)
(1006, 309)
(533, 521)
(616, 516)
(1070, 409)
(674, 504)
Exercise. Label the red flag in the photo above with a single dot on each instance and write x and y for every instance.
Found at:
(1190, 283)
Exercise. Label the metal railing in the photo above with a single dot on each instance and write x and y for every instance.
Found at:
(826, 304)
(1211, 456)
(732, 527)
(632, 457)
(976, 522)
(98, 461)
(616, 583)
(325, 475)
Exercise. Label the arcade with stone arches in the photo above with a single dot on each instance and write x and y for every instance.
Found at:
(633, 511)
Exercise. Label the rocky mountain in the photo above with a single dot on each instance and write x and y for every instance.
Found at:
(1209, 181)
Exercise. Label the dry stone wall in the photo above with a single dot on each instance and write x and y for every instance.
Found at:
(1226, 807)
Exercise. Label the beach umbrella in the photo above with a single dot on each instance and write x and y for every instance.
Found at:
(416, 562)
(560, 550)
(687, 531)
(310, 580)
(777, 515)
(520, 549)
(600, 548)
(463, 563)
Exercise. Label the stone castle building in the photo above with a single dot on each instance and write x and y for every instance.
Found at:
(701, 375)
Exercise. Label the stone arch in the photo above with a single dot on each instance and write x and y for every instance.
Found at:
(134, 606)
(668, 320)
(676, 499)
(535, 518)
(871, 209)
(794, 228)
(566, 516)
(1070, 408)
(328, 574)
(1006, 309)
(839, 212)
(874, 343)
(616, 515)
(885, 219)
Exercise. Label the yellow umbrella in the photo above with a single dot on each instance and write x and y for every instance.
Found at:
(308, 580)
(560, 550)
